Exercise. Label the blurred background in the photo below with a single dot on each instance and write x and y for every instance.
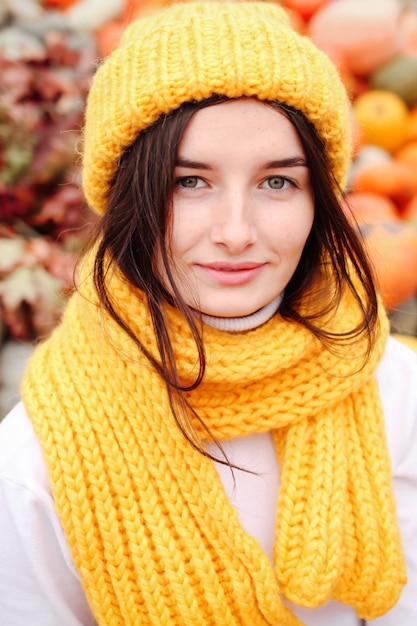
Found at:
(49, 51)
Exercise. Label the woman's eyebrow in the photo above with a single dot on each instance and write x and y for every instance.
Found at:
(195, 165)
(296, 161)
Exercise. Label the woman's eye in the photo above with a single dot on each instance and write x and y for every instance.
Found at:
(189, 182)
(276, 182)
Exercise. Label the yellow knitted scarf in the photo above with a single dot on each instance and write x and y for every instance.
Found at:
(150, 528)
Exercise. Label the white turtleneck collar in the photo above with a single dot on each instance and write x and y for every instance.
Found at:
(245, 323)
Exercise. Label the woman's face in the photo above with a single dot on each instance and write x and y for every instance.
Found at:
(242, 208)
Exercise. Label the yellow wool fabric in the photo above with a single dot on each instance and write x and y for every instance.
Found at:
(150, 528)
(194, 50)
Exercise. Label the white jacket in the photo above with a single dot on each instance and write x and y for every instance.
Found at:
(39, 585)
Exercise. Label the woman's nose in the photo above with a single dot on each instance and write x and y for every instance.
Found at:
(233, 225)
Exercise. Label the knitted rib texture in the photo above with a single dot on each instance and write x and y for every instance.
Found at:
(194, 50)
(150, 528)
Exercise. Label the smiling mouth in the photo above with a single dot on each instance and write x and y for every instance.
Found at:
(229, 267)
(232, 274)
(232, 269)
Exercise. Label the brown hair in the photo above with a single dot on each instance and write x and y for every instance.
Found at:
(137, 220)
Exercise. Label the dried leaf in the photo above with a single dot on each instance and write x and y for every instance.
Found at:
(11, 254)
(32, 301)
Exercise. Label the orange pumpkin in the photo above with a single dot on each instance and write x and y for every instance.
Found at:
(306, 8)
(392, 248)
(363, 207)
(383, 117)
(390, 178)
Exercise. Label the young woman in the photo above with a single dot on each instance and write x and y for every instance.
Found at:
(219, 432)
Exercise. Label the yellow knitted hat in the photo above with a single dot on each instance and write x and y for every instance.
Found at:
(194, 50)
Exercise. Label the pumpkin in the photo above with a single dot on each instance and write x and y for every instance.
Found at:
(384, 118)
(392, 249)
(391, 178)
(399, 75)
(362, 207)
(365, 34)
(305, 8)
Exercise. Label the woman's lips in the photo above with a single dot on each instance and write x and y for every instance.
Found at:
(232, 273)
